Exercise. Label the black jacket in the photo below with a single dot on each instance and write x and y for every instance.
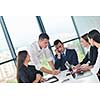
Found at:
(27, 74)
(92, 57)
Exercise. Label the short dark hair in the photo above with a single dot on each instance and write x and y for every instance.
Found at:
(43, 36)
(57, 41)
(95, 35)
(85, 37)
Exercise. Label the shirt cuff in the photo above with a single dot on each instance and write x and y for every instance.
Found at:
(50, 59)
(94, 71)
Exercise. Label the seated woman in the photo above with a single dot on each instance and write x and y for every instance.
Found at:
(91, 56)
(27, 73)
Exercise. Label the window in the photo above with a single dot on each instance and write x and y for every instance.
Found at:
(87, 23)
(22, 30)
(4, 50)
(59, 28)
(74, 45)
(62, 28)
(7, 72)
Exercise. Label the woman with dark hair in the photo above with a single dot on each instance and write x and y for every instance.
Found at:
(91, 56)
(27, 73)
(94, 39)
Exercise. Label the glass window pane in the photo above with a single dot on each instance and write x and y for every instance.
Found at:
(77, 46)
(7, 72)
(22, 30)
(87, 23)
(74, 45)
(4, 50)
(59, 28)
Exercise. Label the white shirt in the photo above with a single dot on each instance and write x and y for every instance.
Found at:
(37, 54)
(96, 67)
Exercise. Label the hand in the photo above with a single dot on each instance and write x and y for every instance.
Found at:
(57, 52)
(55, 72)
(98, 74)
(42, 80)
(78, 70)
(38, 78)
(76, 67)
(86, 68)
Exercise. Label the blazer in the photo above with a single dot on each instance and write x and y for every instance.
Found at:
(70, 56)
(91, 56)
(27, 74)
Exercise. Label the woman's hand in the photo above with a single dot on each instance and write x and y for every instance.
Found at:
(38, 78)
(42, 80)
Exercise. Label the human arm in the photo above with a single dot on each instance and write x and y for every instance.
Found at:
(96, 67)
(93, 55)
(54, 72)
(74, 58)
(38, 78)
(85, 60)
(22, 76)
(58, 59)
(50, 59)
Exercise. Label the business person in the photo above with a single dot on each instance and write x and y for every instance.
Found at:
(64, 54)
(94, 39)
(91, 56)
(27, 73)
(38, 50)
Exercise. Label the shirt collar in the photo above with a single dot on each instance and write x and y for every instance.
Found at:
(64, 52)
(39, 49)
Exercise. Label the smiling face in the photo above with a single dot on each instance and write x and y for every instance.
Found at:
(43, 43)
(91, 41)
(27, 58)
(84, 43)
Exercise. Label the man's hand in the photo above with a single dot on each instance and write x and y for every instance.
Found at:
(76, 67)
(57, 53)
(55, 72)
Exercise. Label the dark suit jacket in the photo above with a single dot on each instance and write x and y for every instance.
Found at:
(91, 57)
(70, 56)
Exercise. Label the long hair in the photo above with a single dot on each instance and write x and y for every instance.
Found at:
(95, 35)
(85, 37)
(20, 59)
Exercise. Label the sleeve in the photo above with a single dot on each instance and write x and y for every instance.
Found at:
(74, 58)
(48, 54)
(33, 68)
(93, 55)
(23, 77)
(39, 72)
(34, 58)
(58, 62)
(85, 60)
(96, 67)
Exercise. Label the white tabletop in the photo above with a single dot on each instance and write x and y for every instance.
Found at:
(87, 77)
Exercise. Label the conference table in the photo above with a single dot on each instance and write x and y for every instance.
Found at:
(66, 77)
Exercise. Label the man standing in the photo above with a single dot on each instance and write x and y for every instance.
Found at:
(38, 51)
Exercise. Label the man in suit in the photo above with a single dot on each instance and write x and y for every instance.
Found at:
(64, 54)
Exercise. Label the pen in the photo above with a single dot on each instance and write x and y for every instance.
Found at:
(65, 80)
